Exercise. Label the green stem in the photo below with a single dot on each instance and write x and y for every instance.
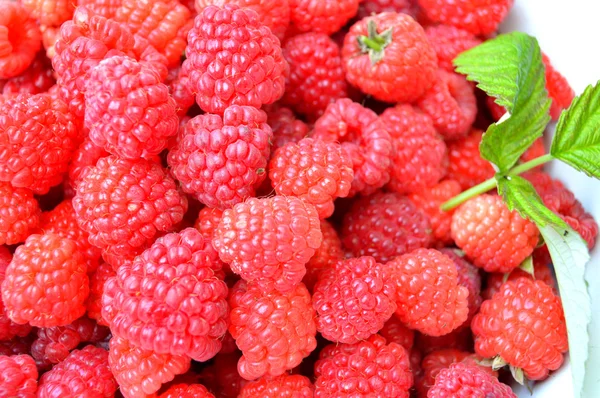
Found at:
(373, 43)
(530, 165)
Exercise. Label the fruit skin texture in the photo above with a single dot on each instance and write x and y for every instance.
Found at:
(50, 12)
(493, 237)
(98, 278)
(38, 78)
(286, 128)
(463, 380)
(448, 42)
(368, 368)
(326, 256)
(433, 363)
(187, 391)
(558, 87)
(368, 8)
(268, 241)
(541, 272)
(384, 225)
(20, 40)
(8, 329)
(53, 267)
(465, 163)
(19, 214)
(18, 376)
(128, 109)
(407, 68)
(429, 296)
(86, 155)
(395, 331)
(275, 331)
(317, 172)
(531, 331)
(222, 69)
(222, 160)
(322, 16)
(284, 386)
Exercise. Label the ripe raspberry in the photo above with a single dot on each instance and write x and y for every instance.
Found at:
(395, 331)
(123, 204)
(46, 282)
(141, 373)
(187, 391)
(50, 35)
(286, 128)
(19, 214)
(448, 42)
(317, 172)
(326, 256)
(368, 368)
(435, 362)
(536, 150)
(224, 70)
(16, 346)
(321, 16)
(93, 303)
(541, 272)
(480, 17)
(83, 370)
(465, 162)
(364, 138)
(222, 377)
(451, 104)
(384, 225)
(459, 339)
(85, 156)
(429, 296)
(462, 380)
(468, 276)
(284, 386)
(388, 56)
(20, 39)
(371, 7)
(274, 330)
(180, 89)
(50, 12)
(207, 222)
(38, 78)
(493, 237)
(222, 160)
(39, 137)
(8, 329)
(18, 376)
(268, 241)
(316, 77)
(558, 87)
(419, 158)
(103, 8)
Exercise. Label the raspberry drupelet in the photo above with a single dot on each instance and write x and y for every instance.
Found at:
(395, 331)
(50, 12)
(20, 39)
(284, 386)
(19, 214)
(18, 376)
(326, 256)
(98, 278)
(103, 8)
(433, 363)
(448, 42)
(322, 16)
(465, 164)
(37, 79)
(370, 7)
(187, 391)
(286, 127)
(464, 380)
(8, 328)
(86, 155)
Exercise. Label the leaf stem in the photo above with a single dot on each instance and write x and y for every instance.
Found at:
(530, 165)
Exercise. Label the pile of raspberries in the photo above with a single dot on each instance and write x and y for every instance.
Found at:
(240, 198)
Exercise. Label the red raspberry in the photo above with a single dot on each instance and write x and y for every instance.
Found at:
(224, 70)
(465, 162)
(141, 373)
(8, 329)
(128, 110)
(459, 339)
(558, 87)
(38, 78)
(524, 324)
(207, 222)
(274, 330)
(221, 160)
(187, 391)
(419, 158)
(462, 380)
(480, 17)
(85, 156)
(16, 346)
(103, 8)
(50, 35)
(384, 225)
(39, 137)
(181, 91)
(388, 56)
(50, 12)
(429, 296)
(284, 386)
(19, 214)
(93, 303)
(268, 241)
(317, 172)
(326, 256)
(364, 138)
(395, 331)
(493, 237)
(353, 300)
(286, 128)
(83, 370)
(20, 39)
(435, 362)
(316, 76)
(371, 7)
(541, 272)
(468, 276)
(536, 150)
(175, 280)
(322, 16)
(123, 204)
(368, 368)
(46, 282)
(18, 376)
(448, 42)
(222, 377)
(451, 104)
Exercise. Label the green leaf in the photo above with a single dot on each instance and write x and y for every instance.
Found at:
(577, 137)
(569, 255)
(510, 69)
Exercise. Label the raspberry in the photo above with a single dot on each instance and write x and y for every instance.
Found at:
(317, 172)
(207, 222)
(123, 204)
(459, 339)
(465, 163)
(429, 296)
(493, 237)
(222, 160)
(18, 376)
(20, 39)
(187, 391)
(286, 128)
(46, 282)
(103, 8)
(462, 380)
(39, 137)
(38, 78)
(141, 373)
(50, 35)
(16, 346)
(274, 330)
(325, 256)
(50, 12)
(316, 76)
(245, 69)
(268, 241)
(448, 42)
(83, 370)
(128, 110)
(419, 158)
(85, 156)
(180, 89)
(8, 329)
(480, 17)
(558, 87)
(468, 276)
(174, 279)
(435, 362)
(93, 303)
(395, 331)
(222, 377)
(384, 225)
(451, 104)
(364, 138)
(368, 368)
(371, 7)
(284, 386)
(322, 16)
(388, 56)
(19, 214)
(536, 150)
